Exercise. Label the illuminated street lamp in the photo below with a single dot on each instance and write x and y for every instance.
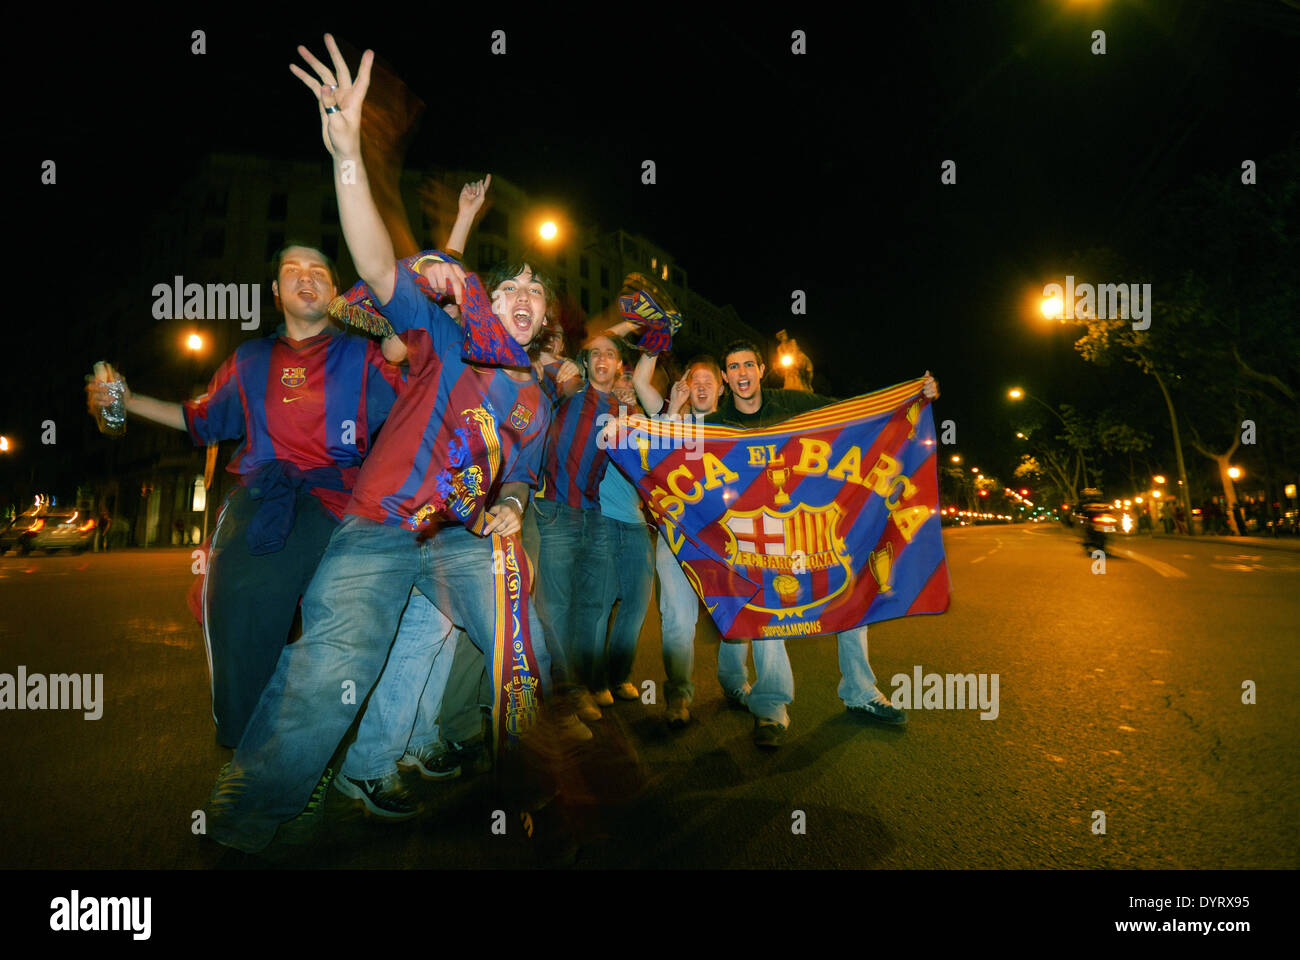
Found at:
(1053, 308)
(1234, 472)
(1158, 478)
(4, 444)
(548, 230)
(194, 342)
(956, 458)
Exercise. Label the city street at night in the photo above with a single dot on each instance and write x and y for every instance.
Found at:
(1119, 692)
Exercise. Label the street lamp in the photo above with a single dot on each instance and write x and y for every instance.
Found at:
(194, 342)
(4, 444)
(548, 230)
(1158, 478)
(1234, 472)
(956, 458)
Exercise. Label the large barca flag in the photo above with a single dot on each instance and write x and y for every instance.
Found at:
(821, 523)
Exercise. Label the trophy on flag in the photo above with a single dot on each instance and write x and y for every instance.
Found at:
(778, 474)
(880, 562)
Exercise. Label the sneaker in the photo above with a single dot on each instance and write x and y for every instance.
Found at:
(881, 711)
(603, 698)
(625, 691)
(767, 733)
(304, 827)
(737, 699)
(386, 797)
(433, 762)
(586, 708)
(678, 715)
(472, 756)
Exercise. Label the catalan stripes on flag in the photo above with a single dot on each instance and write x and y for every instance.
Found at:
(821, 523)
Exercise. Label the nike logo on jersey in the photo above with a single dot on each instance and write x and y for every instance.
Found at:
(290, 399)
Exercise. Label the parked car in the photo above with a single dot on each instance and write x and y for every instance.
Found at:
(63, 530)
(18, 534)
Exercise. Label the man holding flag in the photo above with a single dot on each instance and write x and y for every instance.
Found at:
(775, 523)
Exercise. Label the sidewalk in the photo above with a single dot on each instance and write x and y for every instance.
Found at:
(1266, 543)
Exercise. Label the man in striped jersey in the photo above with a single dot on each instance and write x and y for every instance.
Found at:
(304, 402)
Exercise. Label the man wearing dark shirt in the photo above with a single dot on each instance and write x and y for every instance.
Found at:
(748, 405)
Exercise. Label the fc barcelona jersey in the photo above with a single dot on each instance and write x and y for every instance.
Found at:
(456, 432)
(313, 403)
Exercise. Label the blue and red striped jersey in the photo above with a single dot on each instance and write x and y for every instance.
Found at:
(575, 464)
(456, 432)
(313, 403)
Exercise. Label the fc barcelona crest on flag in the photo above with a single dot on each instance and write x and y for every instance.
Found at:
(820, 524)
(520, 417)
(294, 376)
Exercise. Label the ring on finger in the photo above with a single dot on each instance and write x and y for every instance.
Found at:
(333, 108)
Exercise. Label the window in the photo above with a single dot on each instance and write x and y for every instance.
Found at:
(274, 241)
(214, 243)
(604, 276)
(583, 267)
(278, 207)
(585, 301)
(199, 495)
(562, 285)
(604, 303)
(562, 261)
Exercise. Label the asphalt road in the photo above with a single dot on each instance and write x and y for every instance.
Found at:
(1118, 692)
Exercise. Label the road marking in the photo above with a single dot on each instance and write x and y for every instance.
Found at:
(1164, 569)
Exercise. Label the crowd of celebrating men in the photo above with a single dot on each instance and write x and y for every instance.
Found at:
(392, 541)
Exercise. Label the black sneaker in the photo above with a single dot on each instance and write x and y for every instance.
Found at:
(737, 699)
(472, 756)
(767, 733)
(433, 762)
(386, 797)
(881, 711)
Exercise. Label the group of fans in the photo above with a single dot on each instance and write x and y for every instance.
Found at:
(403, 544)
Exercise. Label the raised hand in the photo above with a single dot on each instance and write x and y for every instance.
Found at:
(338, 97)
(679, 394)
(931, 387)
(473, 194)
(444, 275)
(568, 370)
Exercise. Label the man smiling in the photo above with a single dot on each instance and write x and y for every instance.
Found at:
(442, 491)
(748, 405)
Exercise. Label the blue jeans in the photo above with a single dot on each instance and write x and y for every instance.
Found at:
(350, 615)
(629, 582)
(573, 561)
(403, 709)
(679, 609)
(773, 686)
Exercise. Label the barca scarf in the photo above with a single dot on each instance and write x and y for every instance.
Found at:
(822, 523)
(516, 681)
(486, 340)
(656, 316)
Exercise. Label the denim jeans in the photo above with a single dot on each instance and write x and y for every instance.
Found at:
(773, 686)
(350, 615)
(629, 581)
(679, 609)
(403, 708)
(573, 556)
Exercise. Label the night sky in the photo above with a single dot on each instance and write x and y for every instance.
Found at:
(775, 172)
